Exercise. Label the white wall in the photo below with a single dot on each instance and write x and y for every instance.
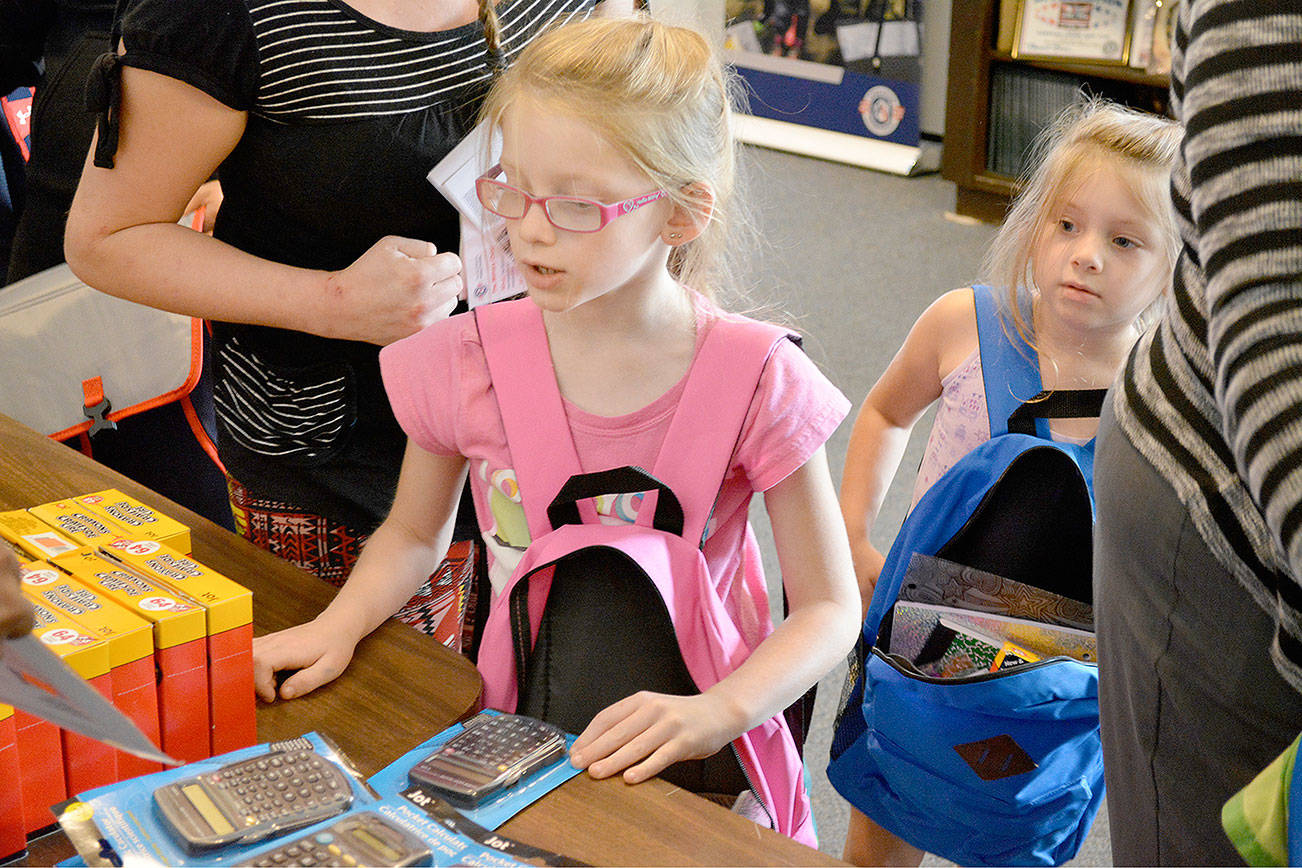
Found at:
(935, 65)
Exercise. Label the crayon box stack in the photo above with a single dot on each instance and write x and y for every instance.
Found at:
(165, 638)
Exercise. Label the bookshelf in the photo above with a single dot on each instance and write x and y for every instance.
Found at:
(977, 69)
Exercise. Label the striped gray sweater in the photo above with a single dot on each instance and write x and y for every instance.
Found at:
(1213, 395)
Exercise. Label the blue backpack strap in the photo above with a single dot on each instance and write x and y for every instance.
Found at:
(538, 435)
(1010, 367)
(707, 424)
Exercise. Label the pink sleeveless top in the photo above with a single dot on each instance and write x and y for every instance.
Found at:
(962, 423)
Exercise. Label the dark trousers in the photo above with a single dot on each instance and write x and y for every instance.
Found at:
(1191, 705)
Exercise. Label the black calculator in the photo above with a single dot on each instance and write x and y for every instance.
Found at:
(251, 799)
(492, 752)
(363, 838)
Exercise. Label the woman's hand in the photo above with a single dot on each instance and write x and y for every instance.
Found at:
(15, 611)
(654, 731)
(394, 289)
(319, 653)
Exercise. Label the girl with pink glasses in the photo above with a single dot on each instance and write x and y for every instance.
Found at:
(615, 182)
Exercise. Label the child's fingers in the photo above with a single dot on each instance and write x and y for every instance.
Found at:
(611, 728)
(323, 671)
(642, 745)
(264, 680)
(268, 658)
(659, 760)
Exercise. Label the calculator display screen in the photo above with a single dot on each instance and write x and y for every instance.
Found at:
(375, 844)
(209, 811)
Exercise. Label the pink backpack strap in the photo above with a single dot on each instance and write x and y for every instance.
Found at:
(707, 426)
(533, 413)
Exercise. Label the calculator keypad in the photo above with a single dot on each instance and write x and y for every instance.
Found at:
(364, 838)
(487, 745)
(318, 849)
(277, 785)
(493, 751)
(250, 799)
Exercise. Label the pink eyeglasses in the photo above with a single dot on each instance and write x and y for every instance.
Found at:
(571, 213)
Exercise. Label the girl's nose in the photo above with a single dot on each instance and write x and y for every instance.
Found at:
(1088, 253)
(534, 225)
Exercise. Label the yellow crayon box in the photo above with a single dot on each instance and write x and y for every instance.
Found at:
(130, 640)
(87, 763)
(83, 525)
(137, 519)
(180, 647)
(26, 532)
(229, 608)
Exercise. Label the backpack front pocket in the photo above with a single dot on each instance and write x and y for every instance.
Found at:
(1013, 756)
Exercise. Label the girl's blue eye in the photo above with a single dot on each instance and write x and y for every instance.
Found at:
(1066, 225)
(1122, 241)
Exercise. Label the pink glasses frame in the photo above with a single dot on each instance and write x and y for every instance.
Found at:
(607, 211)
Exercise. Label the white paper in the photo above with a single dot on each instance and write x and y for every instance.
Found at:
(858, 41)
(34, 679)
(488, 270)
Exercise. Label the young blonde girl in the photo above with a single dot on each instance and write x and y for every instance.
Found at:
(614, 111)
(1084, 256)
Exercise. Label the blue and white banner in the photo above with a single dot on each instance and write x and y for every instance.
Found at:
(838, 65)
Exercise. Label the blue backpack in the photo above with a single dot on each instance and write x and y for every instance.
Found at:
(1001, 767)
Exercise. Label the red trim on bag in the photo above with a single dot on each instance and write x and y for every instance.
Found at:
(196, 369)
(200, 433)
(18, 114)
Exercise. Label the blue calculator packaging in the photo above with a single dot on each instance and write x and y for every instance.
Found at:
(181, 816)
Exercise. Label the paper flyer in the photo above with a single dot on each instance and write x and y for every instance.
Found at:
(33, 679)
(487, 267)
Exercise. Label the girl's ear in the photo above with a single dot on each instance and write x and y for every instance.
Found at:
(687, 222)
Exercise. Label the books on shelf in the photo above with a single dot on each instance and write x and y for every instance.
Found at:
(1023, 101)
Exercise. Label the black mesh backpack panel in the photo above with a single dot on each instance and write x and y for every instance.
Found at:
(606, 634)
(1035, 525)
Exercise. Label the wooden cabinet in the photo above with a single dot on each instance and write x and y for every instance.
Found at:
(981, 191)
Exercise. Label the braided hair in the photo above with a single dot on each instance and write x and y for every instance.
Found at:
(492, 34)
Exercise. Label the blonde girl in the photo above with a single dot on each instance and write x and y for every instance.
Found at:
(1084, 256)
(615, 180)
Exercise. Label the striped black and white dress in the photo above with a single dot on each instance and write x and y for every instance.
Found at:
(1213, 396)
(346, 117)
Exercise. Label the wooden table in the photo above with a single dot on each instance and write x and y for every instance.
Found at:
(400, 689)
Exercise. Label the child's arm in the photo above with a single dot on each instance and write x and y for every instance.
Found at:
(943, 336)
(647, 732)
(398, 557)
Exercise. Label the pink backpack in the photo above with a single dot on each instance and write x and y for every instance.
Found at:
(596, 612)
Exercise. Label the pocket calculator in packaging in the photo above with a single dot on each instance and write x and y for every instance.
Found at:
(492, 752)
(250, 799)
(363, 838)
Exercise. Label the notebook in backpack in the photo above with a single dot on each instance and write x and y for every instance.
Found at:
(588, 598)
(1002, 767)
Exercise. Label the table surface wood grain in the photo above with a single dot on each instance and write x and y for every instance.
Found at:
(401, 688)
